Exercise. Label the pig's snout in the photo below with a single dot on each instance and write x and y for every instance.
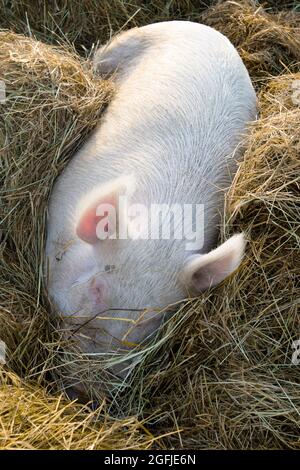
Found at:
(80, 394)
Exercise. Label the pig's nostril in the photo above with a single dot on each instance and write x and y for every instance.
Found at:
(97, 291)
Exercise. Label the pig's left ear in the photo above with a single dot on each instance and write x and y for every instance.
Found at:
(101, 205)
(206, 270)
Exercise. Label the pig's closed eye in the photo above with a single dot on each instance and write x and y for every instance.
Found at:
(109, 268)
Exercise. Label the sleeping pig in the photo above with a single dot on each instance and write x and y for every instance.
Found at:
(169, 140)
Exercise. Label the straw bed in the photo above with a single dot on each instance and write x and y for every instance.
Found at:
(220, 375)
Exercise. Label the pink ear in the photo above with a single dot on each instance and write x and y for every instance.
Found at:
(207, 270)
(98, 210)
(86, 228)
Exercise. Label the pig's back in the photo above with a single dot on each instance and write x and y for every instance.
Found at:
(178, 114)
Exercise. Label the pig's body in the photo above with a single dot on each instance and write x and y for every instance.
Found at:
(183, 100)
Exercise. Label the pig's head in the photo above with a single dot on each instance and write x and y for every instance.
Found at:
(122, 283)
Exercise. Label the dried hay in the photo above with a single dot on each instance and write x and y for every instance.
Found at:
(221, 374)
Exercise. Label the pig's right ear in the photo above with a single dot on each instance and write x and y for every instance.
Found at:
(206, 270)
(100, 208)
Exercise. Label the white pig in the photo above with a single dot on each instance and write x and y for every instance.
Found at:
(171, 134)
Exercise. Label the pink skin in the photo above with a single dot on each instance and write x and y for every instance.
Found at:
(171, 134)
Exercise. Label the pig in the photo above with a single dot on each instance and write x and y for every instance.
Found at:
(173, 133)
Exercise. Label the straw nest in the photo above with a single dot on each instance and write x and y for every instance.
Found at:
(220, 375)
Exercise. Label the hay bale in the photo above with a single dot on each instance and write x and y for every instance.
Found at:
(32, 419)
(52, 103)
(220, 375)
(268, 43)
(97, 21)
